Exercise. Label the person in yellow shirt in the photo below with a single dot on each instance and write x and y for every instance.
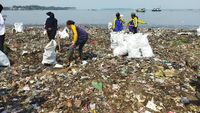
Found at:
(133, 23)
(118, 23)
(80, 37)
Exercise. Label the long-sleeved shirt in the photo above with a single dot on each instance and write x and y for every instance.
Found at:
(78, 33)
(2, 25)
(51, 23)
(135, 21)
(118, 24)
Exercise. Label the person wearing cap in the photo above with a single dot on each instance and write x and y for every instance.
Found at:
(118, 23)
(133, 23)
(51, 26)
(80, 37)
(2, 30)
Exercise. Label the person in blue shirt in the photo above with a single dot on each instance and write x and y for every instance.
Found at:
(118, 23)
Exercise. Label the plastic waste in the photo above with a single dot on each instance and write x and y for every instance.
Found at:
(58, 66)
(151, 105)
(114, 40)
(18, 27)
(135, 45)
(63, 34)
(49, 55)
(198, 31)
(120, 51)
(4, 61)
(96, 85)
(110, 25)
(185, 100)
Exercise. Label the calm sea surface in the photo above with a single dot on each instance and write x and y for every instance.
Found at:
(173, 18)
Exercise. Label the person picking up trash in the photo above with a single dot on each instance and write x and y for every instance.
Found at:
(134, 22)
(80, 37)
(51, 26)
(118, 23)
(2, 30)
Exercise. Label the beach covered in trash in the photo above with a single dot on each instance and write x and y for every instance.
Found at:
(102, 83)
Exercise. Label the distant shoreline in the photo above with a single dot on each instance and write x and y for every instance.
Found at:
(36, 7)
(104, 26)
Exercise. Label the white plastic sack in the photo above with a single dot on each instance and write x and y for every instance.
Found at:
(4, 61)
(138, 46)
(110, 25)
(63, 34)
(114, 40)
(49, 55)
(147, 51)
(198, 31)
(18, 27)
(121, 50)
(134, 53)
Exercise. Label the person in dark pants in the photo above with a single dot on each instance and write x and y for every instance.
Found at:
(2, 30)
(133, 23)
(80, 37)
(51, 26)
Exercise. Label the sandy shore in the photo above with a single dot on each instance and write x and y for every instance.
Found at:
(128, 84)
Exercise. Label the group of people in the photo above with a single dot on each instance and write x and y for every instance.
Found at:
(119, 23)
(80, 36)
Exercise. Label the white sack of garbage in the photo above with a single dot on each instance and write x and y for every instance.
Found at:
(135, 45)
(198, 31)
(49, 55)
(18, 27)
(63, 34)
(4, 61)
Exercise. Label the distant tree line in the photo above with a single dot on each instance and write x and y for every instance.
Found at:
(37, 7)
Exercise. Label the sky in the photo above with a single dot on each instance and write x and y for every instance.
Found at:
(98, 4)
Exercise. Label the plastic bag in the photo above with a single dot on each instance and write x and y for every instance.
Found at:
(113, 39)
(147, 51)
(138, 46)
(63, 34)
(110, 25)
(4, 61)
(121, 50)
(18, 27)
(49, 55)
(198, 31)
(134, 53)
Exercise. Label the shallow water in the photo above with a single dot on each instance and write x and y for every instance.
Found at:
(173, 18)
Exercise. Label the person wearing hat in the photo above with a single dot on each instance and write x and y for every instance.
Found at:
(80, 37)
(133, 23)
(118, 23)
(51, 26)
(2, 30)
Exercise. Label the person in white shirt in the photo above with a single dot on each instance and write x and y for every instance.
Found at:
(2, 29)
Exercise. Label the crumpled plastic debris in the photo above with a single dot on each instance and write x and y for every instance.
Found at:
(127, 84)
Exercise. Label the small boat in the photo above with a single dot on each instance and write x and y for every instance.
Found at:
(142, 10)
(156, 10)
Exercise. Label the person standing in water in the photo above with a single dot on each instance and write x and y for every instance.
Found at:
(133, 23)
(80, 37)
(118, 23)
(51, 26)
(2, 30)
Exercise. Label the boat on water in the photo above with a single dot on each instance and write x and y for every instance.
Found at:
(156, 10)
(142, 10)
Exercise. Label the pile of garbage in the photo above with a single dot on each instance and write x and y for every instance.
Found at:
(135, 45)
(102, 83)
